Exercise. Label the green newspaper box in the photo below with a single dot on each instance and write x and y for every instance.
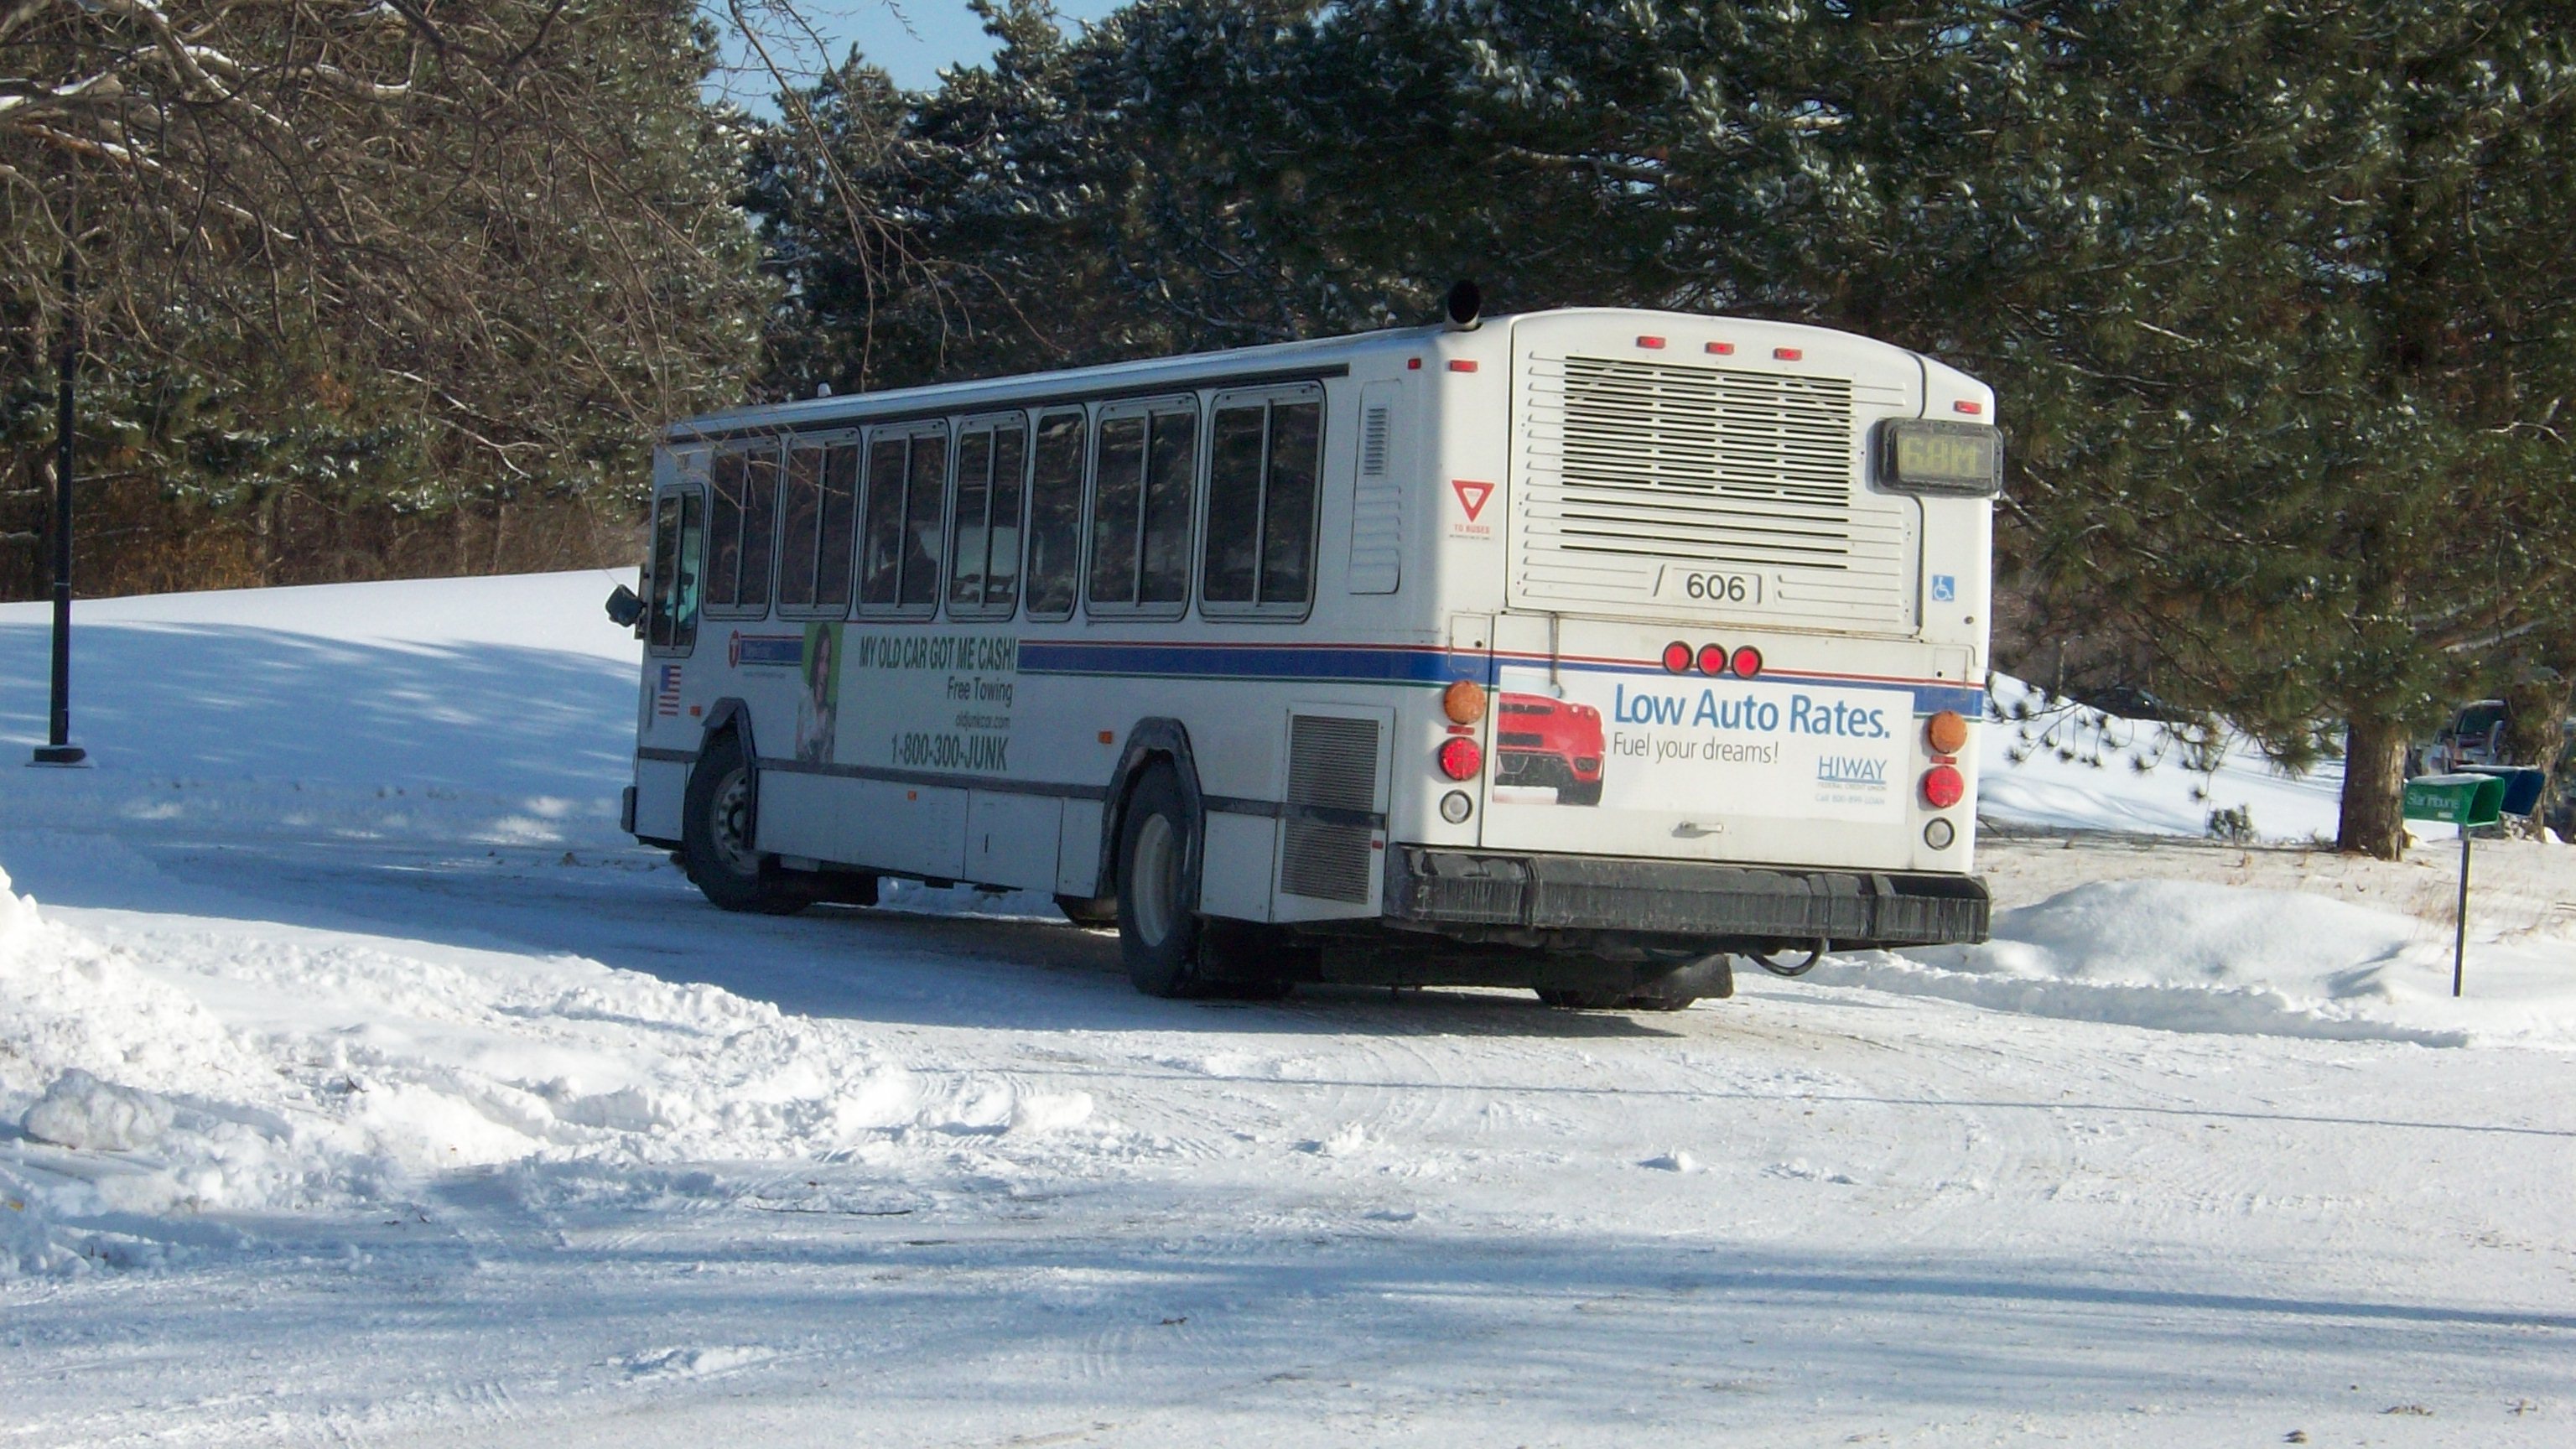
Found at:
(2462, 800)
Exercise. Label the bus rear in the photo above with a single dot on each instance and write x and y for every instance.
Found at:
(1737, 643)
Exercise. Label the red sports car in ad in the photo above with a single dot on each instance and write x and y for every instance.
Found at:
(1554, 742)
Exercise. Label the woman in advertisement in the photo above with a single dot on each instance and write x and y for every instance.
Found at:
(818, 707)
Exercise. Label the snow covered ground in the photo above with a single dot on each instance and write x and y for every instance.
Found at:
(421, 1108)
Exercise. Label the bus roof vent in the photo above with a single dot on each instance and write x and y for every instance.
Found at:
(1373, 430)
(1636, 476)
(1332, 794)
(1377, 505)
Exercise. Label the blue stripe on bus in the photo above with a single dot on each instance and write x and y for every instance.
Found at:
(1385, 664)
(1394, 664)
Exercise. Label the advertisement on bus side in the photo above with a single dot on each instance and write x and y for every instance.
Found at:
(909, 699)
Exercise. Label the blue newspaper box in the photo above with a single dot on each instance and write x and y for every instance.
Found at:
(2521, 785)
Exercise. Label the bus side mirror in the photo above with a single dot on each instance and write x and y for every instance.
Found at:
(624, 608)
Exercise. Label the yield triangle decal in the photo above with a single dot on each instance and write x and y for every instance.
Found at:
(1472, 495)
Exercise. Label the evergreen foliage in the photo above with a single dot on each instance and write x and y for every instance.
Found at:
(2273, 290)
(361, 287)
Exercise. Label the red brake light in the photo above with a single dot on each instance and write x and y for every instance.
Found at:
(1460, 759)
(1712, 659)
(1677, 657)
(1943, 787)
(1747, 662)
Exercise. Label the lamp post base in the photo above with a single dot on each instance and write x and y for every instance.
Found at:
(60, 755)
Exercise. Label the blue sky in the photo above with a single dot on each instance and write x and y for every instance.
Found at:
(912, 39)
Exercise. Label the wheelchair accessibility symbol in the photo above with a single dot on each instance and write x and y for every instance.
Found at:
(1945, 588)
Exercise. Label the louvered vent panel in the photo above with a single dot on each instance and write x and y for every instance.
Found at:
(1630, 468)
(1377, 508)
(1332, 765)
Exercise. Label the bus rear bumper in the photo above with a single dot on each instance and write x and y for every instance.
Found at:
(1482, 894)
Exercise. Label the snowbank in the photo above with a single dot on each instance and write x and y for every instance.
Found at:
(244, 1070)
(2194, 956)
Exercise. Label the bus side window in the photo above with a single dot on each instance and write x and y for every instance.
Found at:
(724, 527)
(899, 548)
(800, 527)
(1010, 470)
(666, 569)
(759, 528)
(687, 585)
(679, 542)
(1055, 515)
(984, 550)
(1140, 517)
(1171, 480)
(839, 527)
(925, 509)
(1263, 462)
(741, 522)
(1289, 496)
(880, 561)
(1116, 494)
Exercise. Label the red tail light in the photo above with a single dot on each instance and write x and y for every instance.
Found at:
(1712, 659)
(1747, 662)
(1943, 786)
(1461, 759)
(1677, 657)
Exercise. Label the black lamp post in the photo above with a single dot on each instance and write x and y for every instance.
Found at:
(58, 749)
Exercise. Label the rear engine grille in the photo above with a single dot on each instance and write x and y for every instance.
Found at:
(1631, 467)
(1332, 767)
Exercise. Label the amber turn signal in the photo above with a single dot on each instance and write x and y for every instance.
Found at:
(1463, 702)
(1946, 731)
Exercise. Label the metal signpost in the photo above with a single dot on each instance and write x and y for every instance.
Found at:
(59, 749)
(2466, 801)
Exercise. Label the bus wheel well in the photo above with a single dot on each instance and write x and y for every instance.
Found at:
(1154, 740)
(729, 714)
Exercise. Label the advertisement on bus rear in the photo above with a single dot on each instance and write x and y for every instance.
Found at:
(1716, 746)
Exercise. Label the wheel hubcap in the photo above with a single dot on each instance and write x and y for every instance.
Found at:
(1158, 878)
(731, 825)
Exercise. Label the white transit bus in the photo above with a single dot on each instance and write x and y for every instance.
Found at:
(1578, 651)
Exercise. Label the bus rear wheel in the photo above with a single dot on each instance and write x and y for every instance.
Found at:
(1158, 923)
(1092, 913)
(715, 838)
(1572, 999)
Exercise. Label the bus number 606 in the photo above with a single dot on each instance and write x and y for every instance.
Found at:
(1722, 588)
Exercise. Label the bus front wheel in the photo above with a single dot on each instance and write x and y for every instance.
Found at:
(715, 837)
(1158, 923)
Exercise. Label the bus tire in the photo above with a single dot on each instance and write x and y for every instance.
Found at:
(1158, 922)
(1580, 999)
(1092, 913)
(715, 844)
(1693, 980)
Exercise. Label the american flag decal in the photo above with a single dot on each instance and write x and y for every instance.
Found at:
(666, 695)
